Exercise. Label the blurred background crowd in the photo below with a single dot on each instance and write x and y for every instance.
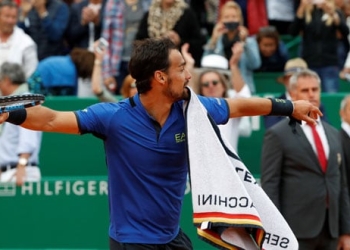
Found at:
(53, 40)
(81, 48)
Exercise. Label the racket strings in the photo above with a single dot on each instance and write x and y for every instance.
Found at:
(15, 102)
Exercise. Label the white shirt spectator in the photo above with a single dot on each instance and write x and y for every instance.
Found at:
(20, 48)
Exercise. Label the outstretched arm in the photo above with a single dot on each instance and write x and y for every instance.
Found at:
(300, 110)
(41, 118)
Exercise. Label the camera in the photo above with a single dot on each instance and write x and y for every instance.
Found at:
(231, 25)
(102, 45)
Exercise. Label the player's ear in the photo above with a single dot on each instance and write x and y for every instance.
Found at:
(159, 76)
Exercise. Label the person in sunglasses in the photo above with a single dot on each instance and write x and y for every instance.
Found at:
(214, 83)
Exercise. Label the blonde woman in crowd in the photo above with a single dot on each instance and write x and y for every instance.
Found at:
(229, 30)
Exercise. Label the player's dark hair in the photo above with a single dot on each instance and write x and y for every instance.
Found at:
(148, 56)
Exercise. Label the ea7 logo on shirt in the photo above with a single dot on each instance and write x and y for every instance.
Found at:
(180, 137)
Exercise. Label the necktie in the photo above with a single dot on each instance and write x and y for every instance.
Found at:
(320, 150)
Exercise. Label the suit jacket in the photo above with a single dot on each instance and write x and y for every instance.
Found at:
(345, 140)
(292, 177)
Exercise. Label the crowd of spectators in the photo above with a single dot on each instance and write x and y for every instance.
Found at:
(46, 29)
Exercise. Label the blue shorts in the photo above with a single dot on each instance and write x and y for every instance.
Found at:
(181, 242)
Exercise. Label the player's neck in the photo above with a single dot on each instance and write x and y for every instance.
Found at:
(156, 106)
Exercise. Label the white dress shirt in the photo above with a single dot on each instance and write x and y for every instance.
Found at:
(20, 48)
(319, 128)
(346, 127)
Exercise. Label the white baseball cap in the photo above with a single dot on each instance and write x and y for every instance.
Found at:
(214, 61)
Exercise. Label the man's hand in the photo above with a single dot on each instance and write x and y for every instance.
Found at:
(237, 50)
(304, 110)
(87, 15)
(40, 6)
(187, 56)
(25, 6)
(110, 83)
(20, 174)
(3, 117)
(344, 242)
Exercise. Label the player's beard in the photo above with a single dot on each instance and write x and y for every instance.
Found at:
(176, 96)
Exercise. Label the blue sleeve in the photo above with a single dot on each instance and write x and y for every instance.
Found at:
(217, 108)
(96, 118)
(283, 51)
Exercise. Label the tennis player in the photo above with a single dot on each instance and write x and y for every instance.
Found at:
(145, 143)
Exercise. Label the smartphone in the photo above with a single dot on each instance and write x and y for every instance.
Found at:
(102, 44)
(231, 25)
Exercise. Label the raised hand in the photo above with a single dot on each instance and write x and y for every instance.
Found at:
(187, 56)
(26, 6)
(304, 110)
(237, 50)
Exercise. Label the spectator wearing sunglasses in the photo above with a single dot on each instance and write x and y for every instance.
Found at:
(213, 82)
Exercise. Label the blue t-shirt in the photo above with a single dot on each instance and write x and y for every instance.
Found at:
(57, 71)
(147, 166)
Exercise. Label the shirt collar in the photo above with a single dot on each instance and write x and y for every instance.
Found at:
(346, 127)
(318, 122)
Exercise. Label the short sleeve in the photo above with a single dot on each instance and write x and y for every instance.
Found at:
(217, 108)
(95, 118)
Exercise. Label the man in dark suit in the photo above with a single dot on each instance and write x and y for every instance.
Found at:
(292, 66)
(305, 175)
(345, 132)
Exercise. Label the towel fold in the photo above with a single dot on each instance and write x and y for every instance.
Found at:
(230, 209)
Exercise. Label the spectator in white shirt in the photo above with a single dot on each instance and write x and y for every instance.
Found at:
(15, 45)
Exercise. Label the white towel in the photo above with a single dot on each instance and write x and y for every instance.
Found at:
(230, 210)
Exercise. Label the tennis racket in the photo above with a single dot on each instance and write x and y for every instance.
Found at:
(16, 102)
